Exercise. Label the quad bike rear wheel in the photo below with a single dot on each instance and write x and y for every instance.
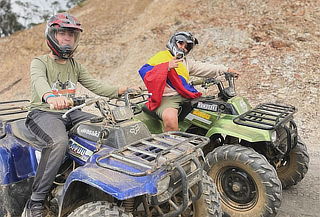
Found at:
(294, 167)
(247, 183)
(99, 209)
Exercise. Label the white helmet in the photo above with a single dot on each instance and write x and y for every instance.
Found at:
(186, 37)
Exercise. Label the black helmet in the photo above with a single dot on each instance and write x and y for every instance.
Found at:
(62, 22)
(181, 37)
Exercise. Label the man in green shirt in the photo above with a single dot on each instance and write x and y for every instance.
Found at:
(53, 80)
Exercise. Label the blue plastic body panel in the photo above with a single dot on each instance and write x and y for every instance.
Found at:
(18, 162)
(119, 185)
(17, 159)
(80, 145)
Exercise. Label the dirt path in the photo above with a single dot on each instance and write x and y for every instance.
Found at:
(303, 199)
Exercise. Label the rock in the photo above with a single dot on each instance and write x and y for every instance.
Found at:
(234, 50)
(297, 76)
(278, 44)
(254, 61)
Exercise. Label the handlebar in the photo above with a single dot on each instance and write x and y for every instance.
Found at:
(130, 97)
(205, 82)
(86, 103)
(225, 92)
(121, 112)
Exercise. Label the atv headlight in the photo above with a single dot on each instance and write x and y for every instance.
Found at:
(274, 137)
(163, 185)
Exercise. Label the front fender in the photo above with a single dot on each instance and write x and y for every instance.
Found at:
(116, 184)
(228, 127)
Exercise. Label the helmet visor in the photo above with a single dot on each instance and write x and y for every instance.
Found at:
(64, 37)
(187, 45)
(184, 38)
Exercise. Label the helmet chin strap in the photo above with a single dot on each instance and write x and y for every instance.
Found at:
(56, 57)
(176, 51)
(65, 48)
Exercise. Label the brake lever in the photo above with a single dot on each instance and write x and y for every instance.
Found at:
(87, 103)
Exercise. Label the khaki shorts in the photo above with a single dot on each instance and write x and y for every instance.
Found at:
(169, 102)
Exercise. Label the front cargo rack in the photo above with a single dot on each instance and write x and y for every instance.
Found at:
(152, 153)
(266, 116)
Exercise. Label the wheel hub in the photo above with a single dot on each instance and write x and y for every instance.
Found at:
(238, 185)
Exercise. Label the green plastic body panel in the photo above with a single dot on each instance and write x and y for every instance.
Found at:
(153, 124)
(217, 123)
(241, 104)
(228, 127)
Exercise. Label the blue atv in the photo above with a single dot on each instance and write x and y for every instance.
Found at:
(113, 167)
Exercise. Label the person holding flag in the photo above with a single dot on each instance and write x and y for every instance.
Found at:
(166, 76)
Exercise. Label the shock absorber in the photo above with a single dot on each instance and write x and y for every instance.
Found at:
(128, 205)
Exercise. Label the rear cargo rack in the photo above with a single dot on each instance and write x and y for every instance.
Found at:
(149, 154)
(13, 110)
(266, 116)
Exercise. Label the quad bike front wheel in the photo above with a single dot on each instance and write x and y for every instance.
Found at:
(99, 209)
(247, 183)
(294, 167)
(209, 203)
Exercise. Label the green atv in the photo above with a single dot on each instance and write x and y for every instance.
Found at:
(252, 154)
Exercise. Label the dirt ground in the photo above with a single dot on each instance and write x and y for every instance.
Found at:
(275, 44)
(303, 199)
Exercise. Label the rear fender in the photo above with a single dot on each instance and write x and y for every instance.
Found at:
(228, 127)
(17, 160)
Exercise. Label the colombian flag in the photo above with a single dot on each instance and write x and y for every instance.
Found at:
(155, 75)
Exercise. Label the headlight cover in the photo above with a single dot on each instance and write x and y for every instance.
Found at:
(163, 185)
(274, 137)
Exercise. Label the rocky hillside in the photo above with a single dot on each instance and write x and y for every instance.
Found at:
(275, 44)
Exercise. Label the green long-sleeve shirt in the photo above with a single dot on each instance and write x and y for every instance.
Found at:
(49, 76)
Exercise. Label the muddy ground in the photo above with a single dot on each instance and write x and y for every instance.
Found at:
(303, 200)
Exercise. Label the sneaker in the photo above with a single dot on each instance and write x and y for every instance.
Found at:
(33, 209)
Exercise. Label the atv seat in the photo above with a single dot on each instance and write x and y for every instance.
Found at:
(184, 109)
(20, 131)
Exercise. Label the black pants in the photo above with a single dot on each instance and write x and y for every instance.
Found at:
(51, 128)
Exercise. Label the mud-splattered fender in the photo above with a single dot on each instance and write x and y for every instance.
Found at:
(119, 185)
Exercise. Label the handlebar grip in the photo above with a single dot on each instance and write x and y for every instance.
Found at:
(198, 82)
(70, 104)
